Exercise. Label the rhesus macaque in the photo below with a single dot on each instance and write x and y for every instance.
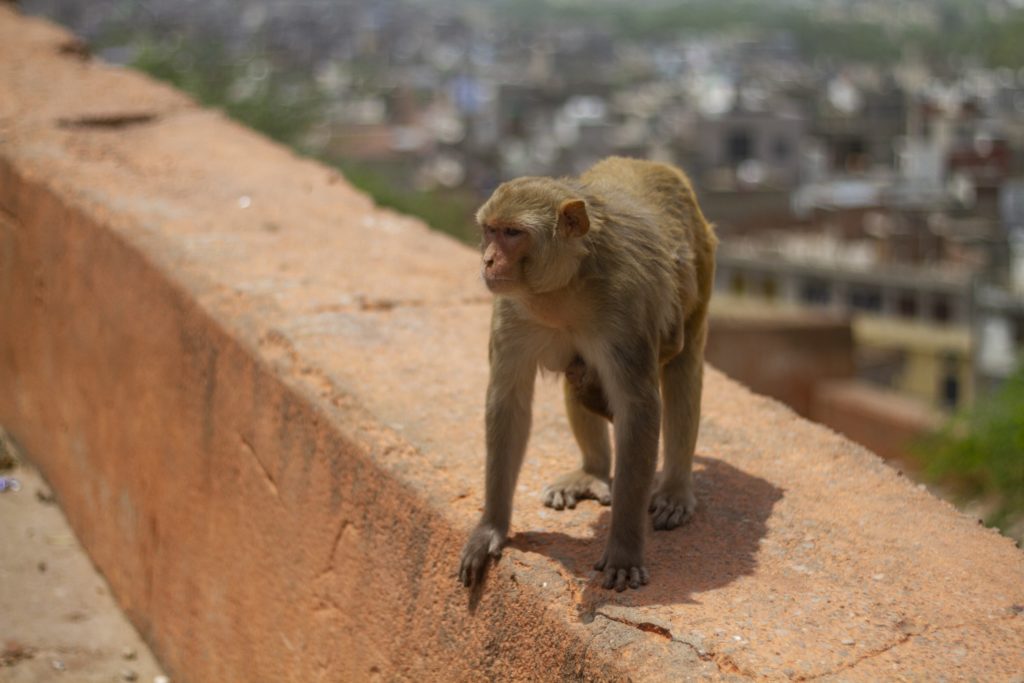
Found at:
(605, 278)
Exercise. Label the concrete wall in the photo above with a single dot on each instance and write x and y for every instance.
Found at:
(782, 356)
(807, 362)
(263, 419)
(884, 421)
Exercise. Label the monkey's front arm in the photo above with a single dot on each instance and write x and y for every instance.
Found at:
(509, 404)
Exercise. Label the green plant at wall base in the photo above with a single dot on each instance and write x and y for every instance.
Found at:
(981, 452)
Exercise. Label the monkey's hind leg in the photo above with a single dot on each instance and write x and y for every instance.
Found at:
(592, 479)
(673, 502)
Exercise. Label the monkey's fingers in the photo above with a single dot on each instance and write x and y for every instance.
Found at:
(638, 576)
(620, 577)
(662, 515)
(659, 504)
(467, 572)
(473, 569)
(669, 512)
(568, 490)
(678, 517)
(553, 498)
(615, 578)
(670, 518)
(484, 543)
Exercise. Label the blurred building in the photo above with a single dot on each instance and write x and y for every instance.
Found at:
(999, 318)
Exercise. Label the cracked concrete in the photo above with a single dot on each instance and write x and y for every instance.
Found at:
(111, 120)
(183, 297)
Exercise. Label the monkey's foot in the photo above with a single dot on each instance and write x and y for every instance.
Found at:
(622, 572)
(672, 506)
(570, 488)
(484, 542)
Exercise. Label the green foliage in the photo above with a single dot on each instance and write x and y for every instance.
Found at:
(642, 21)
(963, 32)
(280, 105)
(444, 211)
(981, 452)
(853, 41)
(1004, 44)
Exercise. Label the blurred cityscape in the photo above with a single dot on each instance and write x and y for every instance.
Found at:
(863, 160)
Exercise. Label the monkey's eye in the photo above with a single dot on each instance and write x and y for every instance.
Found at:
(512, 232)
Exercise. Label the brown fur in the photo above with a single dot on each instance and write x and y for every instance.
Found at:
(606, 278)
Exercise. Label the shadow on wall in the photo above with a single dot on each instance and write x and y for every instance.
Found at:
(718, 546)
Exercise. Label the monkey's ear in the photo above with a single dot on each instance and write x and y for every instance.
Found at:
(573, 220)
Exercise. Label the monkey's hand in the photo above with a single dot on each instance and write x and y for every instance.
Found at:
(621, 570)
(484, 542)
(672, 505)
(570, 488)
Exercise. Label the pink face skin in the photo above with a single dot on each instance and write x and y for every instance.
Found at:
(503, 249)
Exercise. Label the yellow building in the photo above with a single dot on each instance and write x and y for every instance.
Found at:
(934, 362)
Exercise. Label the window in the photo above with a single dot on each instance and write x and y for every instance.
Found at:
(865, 299)
(950, 391)
(950, 386)
(941, 309)
(851, 154)
(739, 147)
(907, 305)
(815, 292)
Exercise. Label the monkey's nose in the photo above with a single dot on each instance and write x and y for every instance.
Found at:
(488, 262)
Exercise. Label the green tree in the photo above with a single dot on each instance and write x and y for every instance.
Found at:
(980, 452)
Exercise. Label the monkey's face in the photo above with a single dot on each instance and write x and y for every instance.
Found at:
(532, 230)
(504, 249)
